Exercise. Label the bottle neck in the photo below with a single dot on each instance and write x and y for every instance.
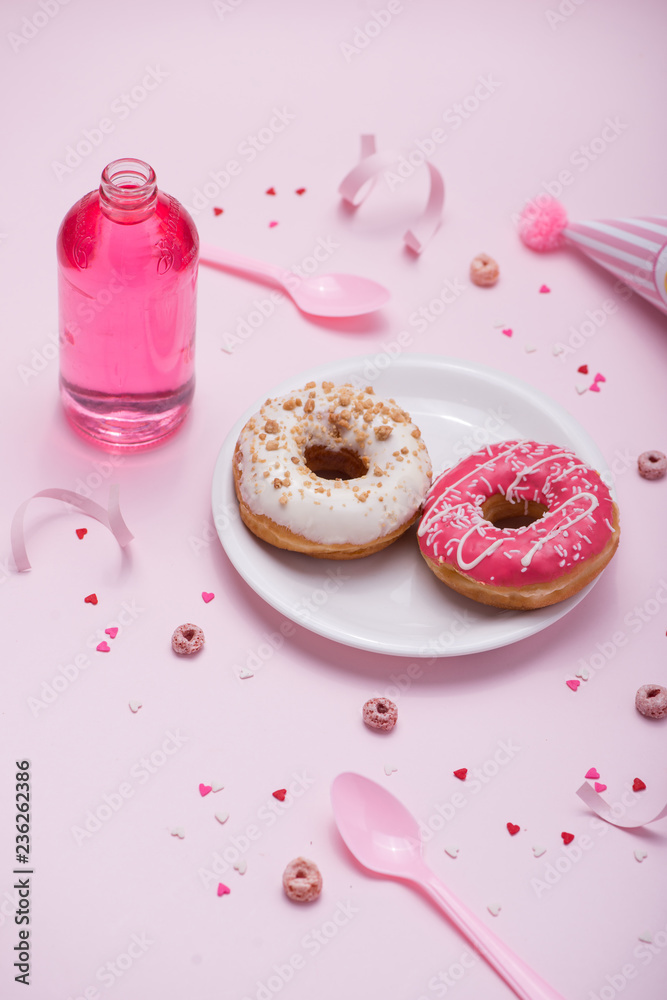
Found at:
(128, 191)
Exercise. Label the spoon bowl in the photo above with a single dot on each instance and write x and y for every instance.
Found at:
(329, 295)
(384, 836)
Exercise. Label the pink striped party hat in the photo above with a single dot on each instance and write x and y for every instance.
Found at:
(635, 250)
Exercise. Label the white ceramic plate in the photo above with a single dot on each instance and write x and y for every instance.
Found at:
(391, 602)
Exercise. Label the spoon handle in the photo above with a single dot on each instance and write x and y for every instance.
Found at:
(519, 977)
(209, 254)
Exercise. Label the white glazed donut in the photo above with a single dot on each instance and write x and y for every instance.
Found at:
(330, 471)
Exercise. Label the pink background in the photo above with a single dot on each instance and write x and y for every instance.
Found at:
(552, 84)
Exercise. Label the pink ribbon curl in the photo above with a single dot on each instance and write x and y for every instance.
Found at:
(358, 183)
(110, 517)
(595, 802)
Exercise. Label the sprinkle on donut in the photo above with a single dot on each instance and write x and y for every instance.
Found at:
(302, 880)
(330, 470)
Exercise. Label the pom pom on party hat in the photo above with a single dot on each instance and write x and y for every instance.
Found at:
(634, 250)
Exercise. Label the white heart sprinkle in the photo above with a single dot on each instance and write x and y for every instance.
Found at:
(494, 909)
(497, 324)
(244, 672)
(581, 389)
(557, 349)
(583, 673)
(227, 350)
(134, 706)
(241, 867)
(529, 348)
(222, 817)
(178, 831)
(216, 786)
(389, 769)
(640, 854)
(452, 851)
(538, 850)
(645, 936)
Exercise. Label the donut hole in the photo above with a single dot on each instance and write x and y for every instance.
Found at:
(510, 515)
(339, 463)
(189, 634)
(653, 693)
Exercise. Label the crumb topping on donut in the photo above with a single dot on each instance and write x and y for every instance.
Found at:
(577, 522)
(341, 424)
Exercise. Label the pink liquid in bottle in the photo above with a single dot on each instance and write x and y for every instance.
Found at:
(127, 283)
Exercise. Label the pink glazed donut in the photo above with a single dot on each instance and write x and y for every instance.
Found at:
(519, 525)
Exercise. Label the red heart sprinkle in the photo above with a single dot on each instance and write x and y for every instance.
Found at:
(638, 785)
(205, 789)
(300, 191)
(91, 599)
(207, 597)
(583, 369)
(113, 632)
(218, 211)
(508, 332)
(223, 890)
(513, 828)
(280, 794)
(567, 837)
(461, 773)
(573, 685)
(272, 224)
(271, 190)
(103, 647)
(80, 532)
(544, 289)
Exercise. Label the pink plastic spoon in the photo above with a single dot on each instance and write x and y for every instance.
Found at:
(318, 295)
(384, 837)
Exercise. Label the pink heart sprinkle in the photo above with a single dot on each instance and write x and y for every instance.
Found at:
(205, 789)
(599, 787)
(272, 224)
(595, 387)
(508, 332)
(573, 685)
(223, 890)
(103, 647)
(111, 632)
(592, 773)
(544, 289)
(207, 597)
(599, 378)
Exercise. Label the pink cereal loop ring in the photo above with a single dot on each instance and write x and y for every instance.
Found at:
(187, 639)
(302, 880)
(652, 464)
(651, 701)
(380, 713)
(484, 270)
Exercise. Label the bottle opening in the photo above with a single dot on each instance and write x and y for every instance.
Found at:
(128, 184)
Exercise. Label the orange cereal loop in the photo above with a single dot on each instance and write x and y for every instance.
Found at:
(302, 880)
(484, 271)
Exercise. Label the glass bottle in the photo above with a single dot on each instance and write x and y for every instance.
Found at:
(127, 284)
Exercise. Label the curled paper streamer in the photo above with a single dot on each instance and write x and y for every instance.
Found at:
(111, 518)
(595, 802)
(356, 186)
